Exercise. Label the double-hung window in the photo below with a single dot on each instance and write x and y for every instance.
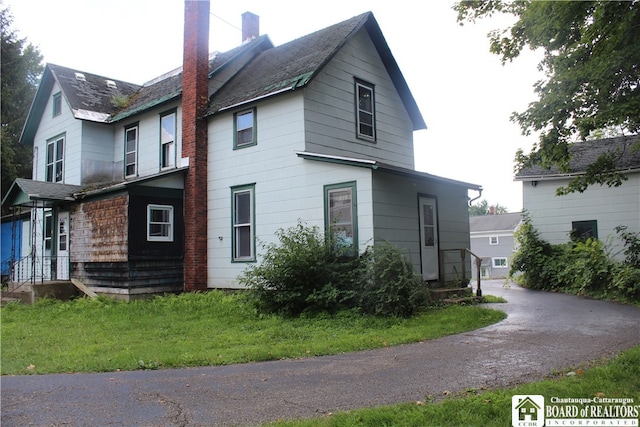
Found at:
(168, 140)
(243, 220)
(245, 128)
(159, 223)
(499, 262)
(131, 151)
(341, 217)
(493, 240)
(365, 111)
(55, 159)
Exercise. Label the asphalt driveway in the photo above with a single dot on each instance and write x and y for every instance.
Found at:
(542, 333)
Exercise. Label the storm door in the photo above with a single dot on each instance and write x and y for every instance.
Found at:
(429, 238)
(62, 266)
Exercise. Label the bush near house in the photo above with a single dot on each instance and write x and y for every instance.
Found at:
(579, 266)
(310, 273)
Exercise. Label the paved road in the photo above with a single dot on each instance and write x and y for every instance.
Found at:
(542, 333)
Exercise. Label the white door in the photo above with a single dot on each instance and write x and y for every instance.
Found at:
(62, 229)
(429, 238)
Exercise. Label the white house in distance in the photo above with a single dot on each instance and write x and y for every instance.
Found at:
(492, 239)
(599, 209)
(141, 189)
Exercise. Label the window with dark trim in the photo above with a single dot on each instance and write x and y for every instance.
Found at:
(131, 151)
(341, 219)
(244, 125)
(57, 104)
(365, 110)
(159, 223)
(168, 140)
(55, 159)
(243, 223)
(582, 230)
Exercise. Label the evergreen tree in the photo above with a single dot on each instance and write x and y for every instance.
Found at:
(21, 68)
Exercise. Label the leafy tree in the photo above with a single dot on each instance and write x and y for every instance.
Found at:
(591, 52)
(21, 68)
(483, 208)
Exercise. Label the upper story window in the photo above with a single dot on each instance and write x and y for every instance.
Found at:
(340, 216)
(160, 223)
(493, 240)
(131, 151)
(57, 104)
(55, 159)
(168, 140)
(245, 128)
(365, 111)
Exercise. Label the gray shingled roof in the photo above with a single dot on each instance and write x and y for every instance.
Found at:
(294, 64)
(500, 222)
(585, 153)
(92, 94)
(40, 191)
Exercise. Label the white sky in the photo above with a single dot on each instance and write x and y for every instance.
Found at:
(464, 93)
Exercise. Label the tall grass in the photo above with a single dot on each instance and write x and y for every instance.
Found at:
(212, 328)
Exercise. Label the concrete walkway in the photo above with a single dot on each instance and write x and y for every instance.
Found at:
(543, 332)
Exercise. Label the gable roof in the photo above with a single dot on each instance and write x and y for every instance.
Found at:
(25, 192)
(587, 152)
(294, 64)
(500, 222)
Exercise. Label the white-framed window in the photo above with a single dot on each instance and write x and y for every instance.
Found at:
(243, 220)
(365, 110)
(245, 128)
(57, 104)
(159, 223)
(168, 140)
(131, 151)
(55, 159)
(499, 262)
(493, 240)
(341, 216)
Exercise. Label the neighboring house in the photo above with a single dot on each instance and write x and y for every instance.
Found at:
(173, 184)
(599, 209)
(493, 241)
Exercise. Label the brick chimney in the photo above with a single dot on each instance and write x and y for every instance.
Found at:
(250, 26)
(195, 98)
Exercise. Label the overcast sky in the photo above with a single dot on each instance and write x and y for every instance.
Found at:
(464, 93)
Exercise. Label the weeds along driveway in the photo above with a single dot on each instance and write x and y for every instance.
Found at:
(544, 332)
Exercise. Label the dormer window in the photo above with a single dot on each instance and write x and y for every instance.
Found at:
(365, 111)
(57, 104)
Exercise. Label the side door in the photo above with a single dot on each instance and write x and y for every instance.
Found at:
(429, 238)
(62, 258)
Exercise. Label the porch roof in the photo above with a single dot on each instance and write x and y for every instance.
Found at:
(26, 192)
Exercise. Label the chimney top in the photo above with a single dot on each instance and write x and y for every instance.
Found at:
(250, 26)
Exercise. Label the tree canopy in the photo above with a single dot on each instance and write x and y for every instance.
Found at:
(483, 208)
(591, 62)
(21, 68)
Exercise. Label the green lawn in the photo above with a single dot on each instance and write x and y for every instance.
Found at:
(212, 328)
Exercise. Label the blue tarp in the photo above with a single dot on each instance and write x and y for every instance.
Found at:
(8, 239)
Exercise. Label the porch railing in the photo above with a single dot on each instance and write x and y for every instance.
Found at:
(463, 262)
(32, 269)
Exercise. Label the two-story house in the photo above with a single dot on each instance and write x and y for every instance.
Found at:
(598, 210)
(172, 185)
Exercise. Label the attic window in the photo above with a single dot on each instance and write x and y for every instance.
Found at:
(80, 77)
(111, 84)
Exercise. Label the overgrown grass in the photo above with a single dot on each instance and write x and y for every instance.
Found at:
(212, 328)
(617, 378)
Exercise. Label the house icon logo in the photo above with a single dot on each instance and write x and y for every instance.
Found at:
(527, 411)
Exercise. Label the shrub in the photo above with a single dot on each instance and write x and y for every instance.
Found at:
(306, 273)
(387, 285)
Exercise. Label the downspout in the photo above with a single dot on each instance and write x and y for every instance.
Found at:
(476, 198)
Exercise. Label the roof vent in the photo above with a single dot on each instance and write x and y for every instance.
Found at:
(80, 77)
(111, 84)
